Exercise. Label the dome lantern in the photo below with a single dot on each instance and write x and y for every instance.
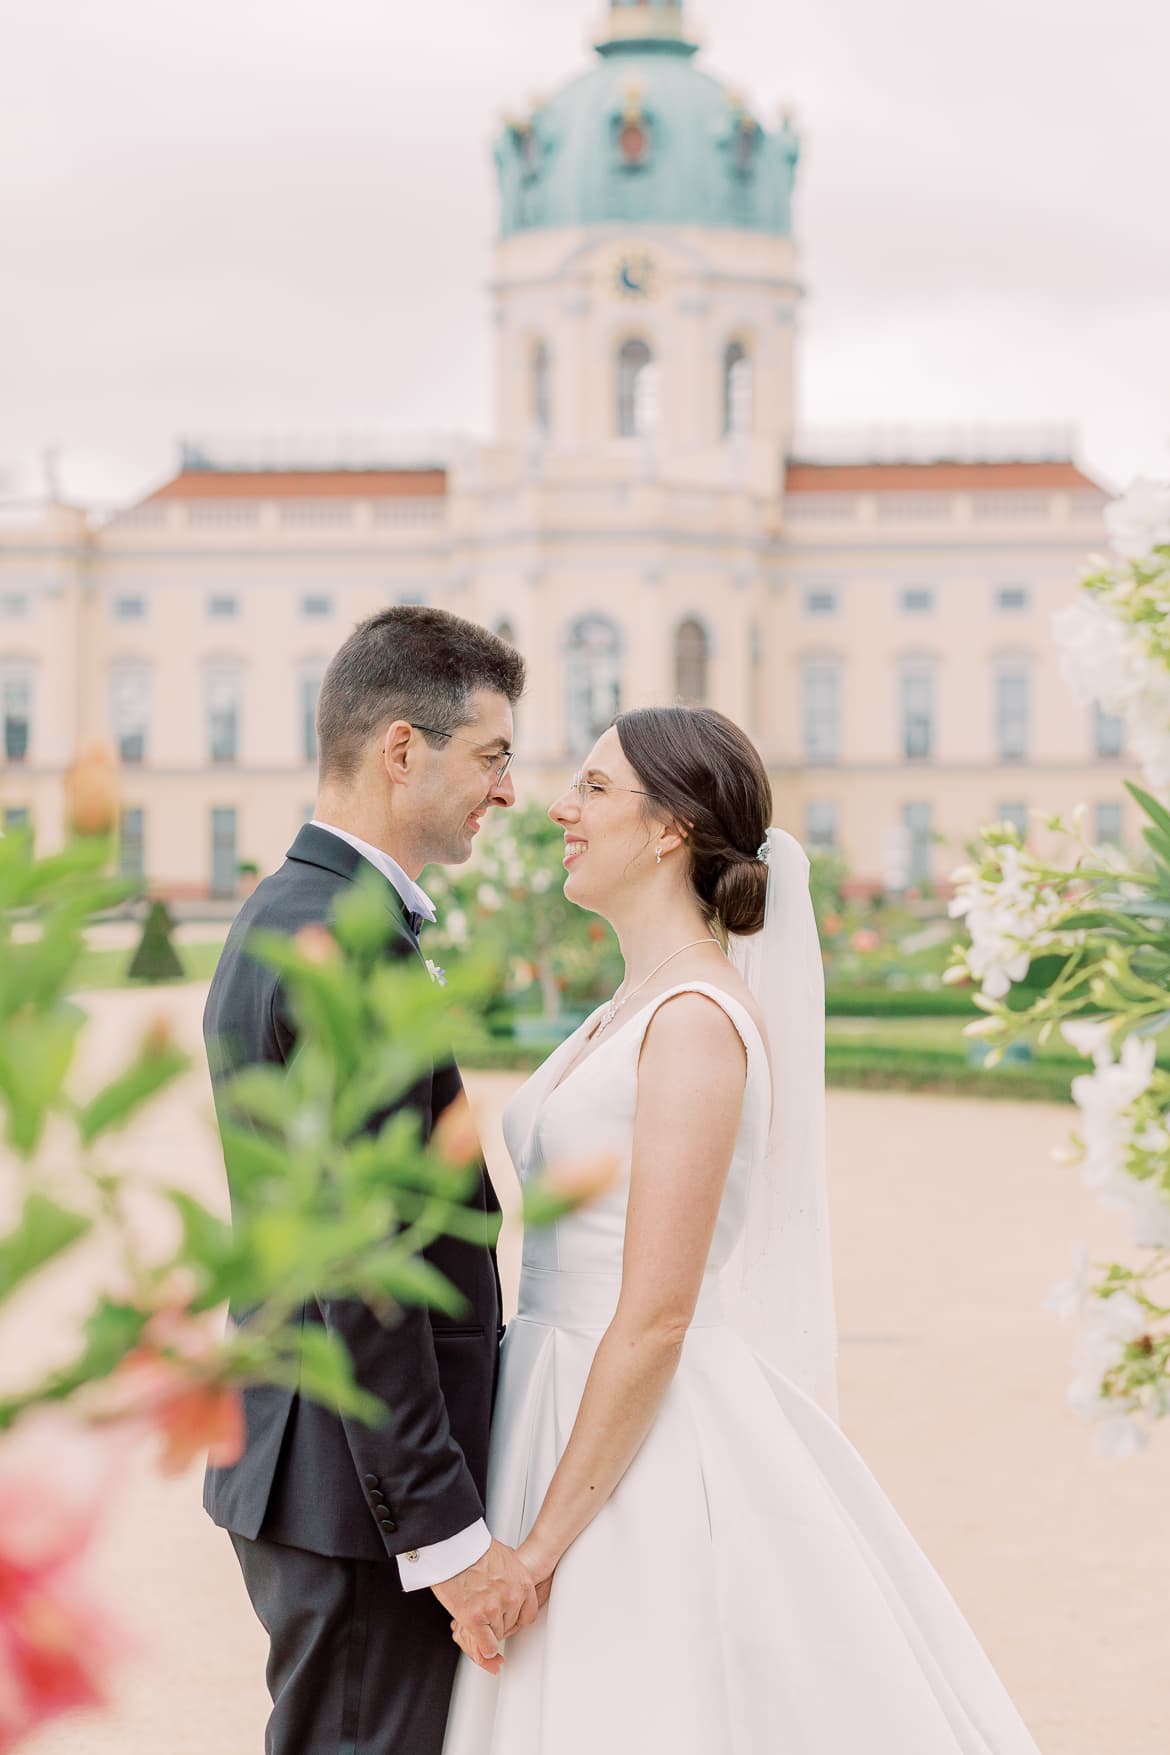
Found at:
(645, 25)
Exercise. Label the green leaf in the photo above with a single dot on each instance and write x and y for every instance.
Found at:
(326, 1376)
(260, 1093)
(116, 1104)
(111, 1332)
(1159, 844)
(253, 1162)
(208, 1243)
(1157, 813)
(45, 1230)
(34, 1061)
(542, 1205)
(408, 1279)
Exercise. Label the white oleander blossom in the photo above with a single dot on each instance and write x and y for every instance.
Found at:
(1139, 521)
(1115, 640)
(1112, 1324)
(1104, 658)
(1106, 1099)
(1007, 910)
(1069, 1297)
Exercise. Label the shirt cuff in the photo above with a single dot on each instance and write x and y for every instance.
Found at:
(419, 1568)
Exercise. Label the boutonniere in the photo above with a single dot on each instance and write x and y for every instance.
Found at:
(439, 976)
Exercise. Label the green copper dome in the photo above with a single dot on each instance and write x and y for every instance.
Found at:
(645, 137)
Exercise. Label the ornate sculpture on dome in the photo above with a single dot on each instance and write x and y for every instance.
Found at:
(633, 128)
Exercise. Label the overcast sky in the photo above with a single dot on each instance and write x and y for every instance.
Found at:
(251, 217)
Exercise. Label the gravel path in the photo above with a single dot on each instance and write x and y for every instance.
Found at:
(950, 1222)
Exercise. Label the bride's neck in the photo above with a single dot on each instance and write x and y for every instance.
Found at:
(651, 932)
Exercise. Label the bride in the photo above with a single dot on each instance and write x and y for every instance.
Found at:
(720, 1573)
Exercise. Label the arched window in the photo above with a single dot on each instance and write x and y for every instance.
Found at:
(737, 390)
(593, 680)
(637, 409)
(540, 387)
(692, 649)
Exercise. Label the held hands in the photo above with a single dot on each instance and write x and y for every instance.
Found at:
(487, 1602)
(485, 1647)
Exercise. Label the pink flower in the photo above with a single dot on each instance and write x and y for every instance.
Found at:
(57, 1642)
(865, 939)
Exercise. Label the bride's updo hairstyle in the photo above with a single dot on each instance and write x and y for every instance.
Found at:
(704, 773)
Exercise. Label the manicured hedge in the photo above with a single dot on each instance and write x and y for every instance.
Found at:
(872, 1066)
(900, 1002)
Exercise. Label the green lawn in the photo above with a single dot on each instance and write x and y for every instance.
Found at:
(102, 969)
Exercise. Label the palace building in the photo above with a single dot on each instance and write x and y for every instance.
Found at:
(645, 524)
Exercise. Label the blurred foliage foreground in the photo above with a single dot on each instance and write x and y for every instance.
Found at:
(330, 1209)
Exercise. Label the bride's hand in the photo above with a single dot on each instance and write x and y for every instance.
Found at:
(541, 1567)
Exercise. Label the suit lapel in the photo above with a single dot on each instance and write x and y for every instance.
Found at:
(314, 846)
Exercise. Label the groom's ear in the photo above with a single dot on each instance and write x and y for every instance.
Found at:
(396, 750)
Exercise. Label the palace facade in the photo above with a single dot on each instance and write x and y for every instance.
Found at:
(644, 524)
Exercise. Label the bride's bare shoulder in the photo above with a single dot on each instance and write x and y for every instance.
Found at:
(727, 979)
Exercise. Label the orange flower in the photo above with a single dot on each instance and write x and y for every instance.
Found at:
(91, 790)
(156, 1392)
(317, 944)
(158, 1038)
(583, 1179)
(456, 1137)
(171, 1385)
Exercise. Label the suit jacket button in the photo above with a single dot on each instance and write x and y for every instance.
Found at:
(377, 1495)
(388, 1523)
(371, 1480)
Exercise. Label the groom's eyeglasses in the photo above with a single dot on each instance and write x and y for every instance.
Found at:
(503, 758)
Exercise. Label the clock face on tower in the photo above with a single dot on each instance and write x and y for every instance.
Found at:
(636, 275)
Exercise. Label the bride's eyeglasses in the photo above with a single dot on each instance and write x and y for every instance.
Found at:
(586, 789)
(502, 758)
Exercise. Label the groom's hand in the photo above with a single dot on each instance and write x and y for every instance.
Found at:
(489, 1601)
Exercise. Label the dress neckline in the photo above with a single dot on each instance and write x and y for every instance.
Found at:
(631, 1021)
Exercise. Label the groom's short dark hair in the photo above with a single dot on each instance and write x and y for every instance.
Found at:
(410, 663)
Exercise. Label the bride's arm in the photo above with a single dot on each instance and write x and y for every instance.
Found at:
(690, 1095)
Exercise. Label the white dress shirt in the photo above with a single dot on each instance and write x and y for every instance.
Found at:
(421, 1567)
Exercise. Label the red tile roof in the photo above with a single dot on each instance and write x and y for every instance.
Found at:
(877, 478)
(309, 484)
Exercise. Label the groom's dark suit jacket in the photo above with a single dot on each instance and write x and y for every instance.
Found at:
(309, 1478)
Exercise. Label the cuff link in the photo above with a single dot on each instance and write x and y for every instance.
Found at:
(411, 1554)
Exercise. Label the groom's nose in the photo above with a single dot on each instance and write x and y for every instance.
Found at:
(504, 792)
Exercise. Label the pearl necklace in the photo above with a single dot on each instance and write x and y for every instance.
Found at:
(615, 1005)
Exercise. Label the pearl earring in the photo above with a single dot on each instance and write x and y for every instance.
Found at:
(658, 857)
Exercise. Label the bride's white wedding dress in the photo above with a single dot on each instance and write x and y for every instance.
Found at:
(747, 1589)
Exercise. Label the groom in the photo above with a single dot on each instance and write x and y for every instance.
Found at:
(357, 1545)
